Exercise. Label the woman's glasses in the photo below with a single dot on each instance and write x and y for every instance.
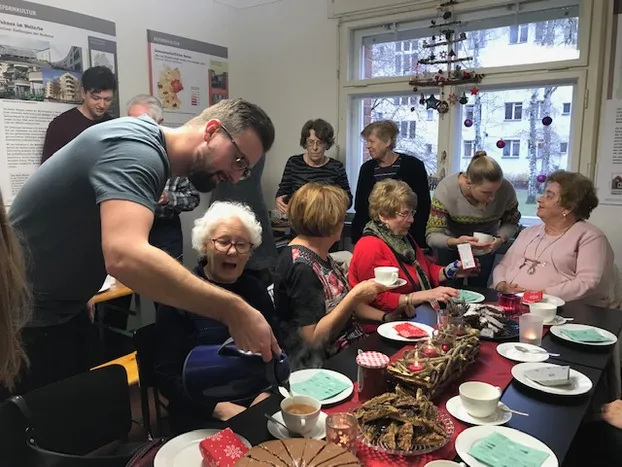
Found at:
(405, 214)
(225, 245)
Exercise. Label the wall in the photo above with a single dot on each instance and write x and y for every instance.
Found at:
(286, 61)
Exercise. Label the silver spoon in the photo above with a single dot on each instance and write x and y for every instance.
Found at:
(505, 408)
(520, 348)
(274, 420)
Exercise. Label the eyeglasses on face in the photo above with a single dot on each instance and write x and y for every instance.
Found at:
(224, 246)
(312, 143)
(406, 214)
(241, 162)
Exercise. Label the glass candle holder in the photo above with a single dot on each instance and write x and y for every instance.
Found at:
(510, 303)
(342, 429)
(530, 328)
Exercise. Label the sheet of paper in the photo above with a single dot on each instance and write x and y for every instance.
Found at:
(584, 335)
(320, 386)
(499, 451)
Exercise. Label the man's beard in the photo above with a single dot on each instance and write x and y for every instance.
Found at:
(201, 179)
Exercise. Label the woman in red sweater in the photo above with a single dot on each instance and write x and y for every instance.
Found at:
(386, 242)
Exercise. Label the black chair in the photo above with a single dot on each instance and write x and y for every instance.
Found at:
(82, 421)
(13, 448)
(144, 343)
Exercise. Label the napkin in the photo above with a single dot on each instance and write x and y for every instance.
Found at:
(410, 331)
(320, 386)
(498, 450)
(585, 335)
(223, 449)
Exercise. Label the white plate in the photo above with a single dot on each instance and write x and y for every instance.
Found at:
(386, 330)
(108, 282)
(508, 350)
(302, 375)
(183, 450)
(579, 383)
(279, 432)
(557, 331)
(556, 321)
(455, 408)
(477, 297)
(548, 299)
(470, 436)
(398, 283)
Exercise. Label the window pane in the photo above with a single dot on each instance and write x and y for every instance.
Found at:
(522, 158)
(393, 59)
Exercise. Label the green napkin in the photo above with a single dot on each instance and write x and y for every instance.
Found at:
(467, 296)
(320, 386)
(497, 450)
(585, 335)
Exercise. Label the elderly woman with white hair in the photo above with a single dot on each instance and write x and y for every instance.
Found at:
(225, 238)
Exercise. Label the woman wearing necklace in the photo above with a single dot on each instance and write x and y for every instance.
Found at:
(476, 200)
(316, 137)
(565, 256)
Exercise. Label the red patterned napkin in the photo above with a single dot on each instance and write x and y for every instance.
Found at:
(410, 331)
(223, 449)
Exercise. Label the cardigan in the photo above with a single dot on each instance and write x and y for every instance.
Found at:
(412, 171)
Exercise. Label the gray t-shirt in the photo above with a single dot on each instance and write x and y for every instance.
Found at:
(56, 213)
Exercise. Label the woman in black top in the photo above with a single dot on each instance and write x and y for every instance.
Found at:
(386, 163)
(224, 237)
(316, 137)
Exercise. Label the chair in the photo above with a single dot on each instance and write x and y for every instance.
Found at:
(144, 342)
(81, 421)
(13, 447)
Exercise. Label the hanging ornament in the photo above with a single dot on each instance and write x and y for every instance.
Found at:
(443, 107)
(546, 121)
(432, 102)
(452, 54)
(447, 15)
(463, 35)
(500, 144)
(463, 99)
(468, 123)
(415, 89)
(541, 178)
(443, 54)
(422, 99)
(453, 99)
(474, 91)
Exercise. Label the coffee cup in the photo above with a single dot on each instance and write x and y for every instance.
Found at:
(483, 237)
(479, 399)
(443, 463)
(386, 275)
(300, 413)
(546, 311)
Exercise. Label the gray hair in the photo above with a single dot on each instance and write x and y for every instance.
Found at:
(238, 115)
(151, 102)
(220, 211)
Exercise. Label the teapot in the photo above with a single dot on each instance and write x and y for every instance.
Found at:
(226, 373)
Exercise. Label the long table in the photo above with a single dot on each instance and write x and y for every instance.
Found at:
(553, 420)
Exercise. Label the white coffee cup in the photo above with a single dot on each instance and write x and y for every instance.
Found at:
(386, 275)
(479, 399)
(544, 310)
(483, 237)
(300, 423)
(442, 463)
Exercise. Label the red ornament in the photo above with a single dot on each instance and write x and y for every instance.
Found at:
(500, 144)
(474, 91)
(466, 74)
(546, 121)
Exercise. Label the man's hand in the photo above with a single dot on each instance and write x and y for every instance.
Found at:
(251, 332)
(163, 199)
(281, 205)
(90, 308)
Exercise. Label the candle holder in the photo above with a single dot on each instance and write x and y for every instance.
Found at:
(342, 429)
(530, 329)
(510, 303)
(429, 350)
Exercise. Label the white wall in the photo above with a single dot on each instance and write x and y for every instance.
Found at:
(284, 58)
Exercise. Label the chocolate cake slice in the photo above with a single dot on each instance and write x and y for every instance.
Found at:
(298, 453)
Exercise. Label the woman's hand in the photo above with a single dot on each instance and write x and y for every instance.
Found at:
(492, 246)
(366, 291)
(440, 294)
(453, 242)
(397, 315)
(281, 205)
(612, 413)
(455, 270)
(505, 287)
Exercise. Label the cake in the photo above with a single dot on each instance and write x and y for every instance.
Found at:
(298, 453)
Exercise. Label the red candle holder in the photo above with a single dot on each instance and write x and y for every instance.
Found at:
(415, 367)
(429, 351)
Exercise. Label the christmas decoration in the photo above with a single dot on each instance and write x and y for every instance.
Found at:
(468, 123)
(463, 99)
(474, 91)
(444, 49)
(500, 144)
(541, 178)
(546, 121)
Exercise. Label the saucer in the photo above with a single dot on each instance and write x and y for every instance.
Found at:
(456, 409)
(556, 321)
(398, 283)
(276, 430)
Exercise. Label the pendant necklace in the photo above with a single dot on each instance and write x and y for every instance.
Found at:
(533, 263)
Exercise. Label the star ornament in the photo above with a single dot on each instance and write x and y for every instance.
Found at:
(432, 102)
(453, 99)
(474, 91)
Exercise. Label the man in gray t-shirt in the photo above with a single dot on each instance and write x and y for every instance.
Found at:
(89, 210)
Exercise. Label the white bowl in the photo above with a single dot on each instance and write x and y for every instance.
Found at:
(547, 311)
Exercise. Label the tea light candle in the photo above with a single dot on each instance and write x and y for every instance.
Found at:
(530, 337)
(416, 367)
(429, 350)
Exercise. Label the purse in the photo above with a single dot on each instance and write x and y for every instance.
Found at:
(145, 455)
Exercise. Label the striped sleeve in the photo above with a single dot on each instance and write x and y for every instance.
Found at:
(285, 187)
(342, 182)
(437, 225)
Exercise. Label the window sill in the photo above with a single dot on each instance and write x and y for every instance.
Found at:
(510, 157)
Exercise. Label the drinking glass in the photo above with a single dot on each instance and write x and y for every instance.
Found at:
(342, 429)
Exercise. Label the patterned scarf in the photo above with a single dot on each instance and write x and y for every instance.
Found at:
(402, 248)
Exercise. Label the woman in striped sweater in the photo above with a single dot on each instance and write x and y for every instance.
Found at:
(478, 200)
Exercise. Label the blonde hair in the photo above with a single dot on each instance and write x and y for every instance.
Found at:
(483, 168)
(317, 210)
(388, 197)
(15, 302)
(385, 130)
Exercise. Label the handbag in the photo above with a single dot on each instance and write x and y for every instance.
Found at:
(145, 455)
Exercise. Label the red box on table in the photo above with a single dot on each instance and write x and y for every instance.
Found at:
(223, 449)
(532, 296)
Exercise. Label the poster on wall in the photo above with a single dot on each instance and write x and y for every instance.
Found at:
(43, 53)
(186, 75)
(609, 170)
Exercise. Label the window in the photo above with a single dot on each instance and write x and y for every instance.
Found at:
(563, 147)
(468, 112)
(412, 129)
(519, 33)
(511, 148)
(403, 126)
(428, 149)
(430, 115)
(468, 149)
(566, 108)
(513, 110)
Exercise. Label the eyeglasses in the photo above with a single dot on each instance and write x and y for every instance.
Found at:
(315, 143)
(225, 245)
(407, 214)
(241, 163)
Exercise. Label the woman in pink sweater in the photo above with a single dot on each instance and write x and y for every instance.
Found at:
(565, 256)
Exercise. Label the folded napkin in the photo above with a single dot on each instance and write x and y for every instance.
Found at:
(320, 386)
(224, 449)
(410, 331)
(585, 335)
(497, 450)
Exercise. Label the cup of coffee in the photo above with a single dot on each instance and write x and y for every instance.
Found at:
(300, 413)
(546, 311)
(479, 399)
(483, 237)
(386, 275)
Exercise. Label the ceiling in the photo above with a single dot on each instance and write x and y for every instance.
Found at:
(242, 4)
